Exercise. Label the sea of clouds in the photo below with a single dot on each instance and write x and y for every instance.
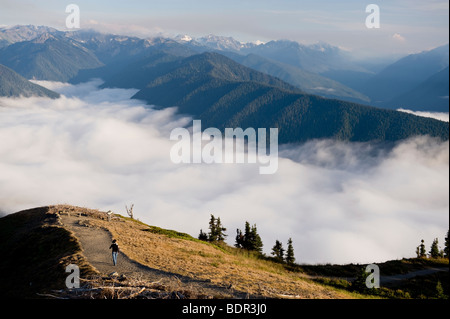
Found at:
(340, 202)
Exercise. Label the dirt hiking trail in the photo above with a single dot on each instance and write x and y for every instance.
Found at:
(95, 243)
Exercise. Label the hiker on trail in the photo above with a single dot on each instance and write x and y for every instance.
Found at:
(115, 250)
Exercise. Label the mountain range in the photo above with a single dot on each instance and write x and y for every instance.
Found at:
(223, 93)
(336, 74)
(227, 83)
(319, 69)
(14, 85)
(48, 57)
(21, 33)
(388, 87)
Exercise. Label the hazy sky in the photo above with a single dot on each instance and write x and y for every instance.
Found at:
(406, 26)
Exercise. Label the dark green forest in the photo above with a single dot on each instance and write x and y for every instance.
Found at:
(14, 85)
(222, 93)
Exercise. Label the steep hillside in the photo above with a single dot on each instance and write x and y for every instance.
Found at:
(200, 68)
(405, 74)
(307, 81)
(316, 58)
(138, 74)
(430, 95)
(36, 246)
(14, 85)
(124, 56)
(223, 93)
(48, 57)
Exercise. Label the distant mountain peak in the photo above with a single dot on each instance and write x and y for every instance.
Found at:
(221, 42)
(30, 28)
(258, 42)
(158, 40)
(44, 37)
(183, 38)
(19, 33)
(283, 43)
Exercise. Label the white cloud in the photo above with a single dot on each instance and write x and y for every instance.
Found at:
(398, 37)
(441, 116)
(340, 202)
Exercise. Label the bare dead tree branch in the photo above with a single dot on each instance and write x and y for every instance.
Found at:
(130, 210)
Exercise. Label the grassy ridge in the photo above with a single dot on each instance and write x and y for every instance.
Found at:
(36, 248)
(179, 253)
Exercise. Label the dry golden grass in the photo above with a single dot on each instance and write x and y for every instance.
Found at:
(200, 260)
(203, 261)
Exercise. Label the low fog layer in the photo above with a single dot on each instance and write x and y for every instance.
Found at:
(435, 115)
(340, 202)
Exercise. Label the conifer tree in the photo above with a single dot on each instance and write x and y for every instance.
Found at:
(446, 255)
(440, 291)
(216, 230)
(359, 284)
(250, 239)
(239, 239)
(422, 251)
(247, 236)
(290, 259)
(255, 241)
(220, 230)
(203, 236)
(434, 250)
(278, 251)
(212, 235)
